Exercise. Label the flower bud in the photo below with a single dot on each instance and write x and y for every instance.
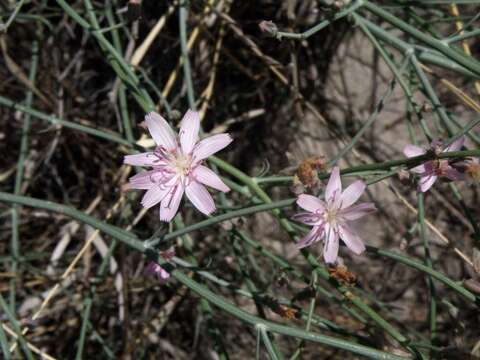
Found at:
(268, 27)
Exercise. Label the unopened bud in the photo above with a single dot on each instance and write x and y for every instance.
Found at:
(175, 115)
(268, 27)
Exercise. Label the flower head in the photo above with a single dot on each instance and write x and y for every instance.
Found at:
(155, 270)
(176, 166)
(329, 219)
(431, 170)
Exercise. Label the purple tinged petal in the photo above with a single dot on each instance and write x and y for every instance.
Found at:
(310, 203)
(207, 177)
(153, 196)
(357, 211)
(143, 180)
(210, 146)
(161, 132)
(453, 174)
(313, 236)
(351, 239)
(456, 145)
(308, 218)
(200, 197)
(334, 185)
(153, 269)
(189, 131)
(420, 169)
(143, 159)
(426, 182)
(352, 193)
(330, 248)
(412, 150)
(171, 202)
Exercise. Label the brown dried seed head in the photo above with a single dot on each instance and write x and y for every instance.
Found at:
(287, 312)
(307, 170)
(342, 275)
(473, 171)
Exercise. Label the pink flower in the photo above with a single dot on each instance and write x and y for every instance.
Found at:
(431, 170)
(153, 269)
(330, 218)
(177, 166)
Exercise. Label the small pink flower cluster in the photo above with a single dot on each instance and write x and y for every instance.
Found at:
(177, 168)
(431, 170)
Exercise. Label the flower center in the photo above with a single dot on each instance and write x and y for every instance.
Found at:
(182, 164)
(331, 216)
(440, 167)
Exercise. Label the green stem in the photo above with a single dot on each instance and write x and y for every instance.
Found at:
(457, 56)
(131, 241)
(428, 262)
(15, 242)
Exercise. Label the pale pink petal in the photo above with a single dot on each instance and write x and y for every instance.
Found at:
(456, 145)
(153, 196)
(357, 211)
(351, 239)
(420, 169)
(207, 177)
(412, 151)
(330, 248)
(161, 132)
(426, 182)
(153, 269)
(352, 193)
(171, 202)
(453, 174)
(144, 180)
(308, 218)
(143, 159)
(200, 197)
(313, 236)
(189, 131)
(310, 203)
(210, 146)
(334, 185)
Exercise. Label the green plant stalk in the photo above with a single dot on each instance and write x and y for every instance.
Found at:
(16, 327)
(15, 241)
(220, 218)
(116, 60)
(437, 105)
(68, 124)
(463, 131)
(213, 330)
(456, 56)
(321, 25)
(272, 352)
(468, 213)
(4, 343)
(395, 70)
(421, 267)
(131, 241)
(285, 266)
(182, 18)
(428, 262)
(122, 96)
(371, 119)
(464, 36)
(255, 188)
(429, 56)
(87, 306)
